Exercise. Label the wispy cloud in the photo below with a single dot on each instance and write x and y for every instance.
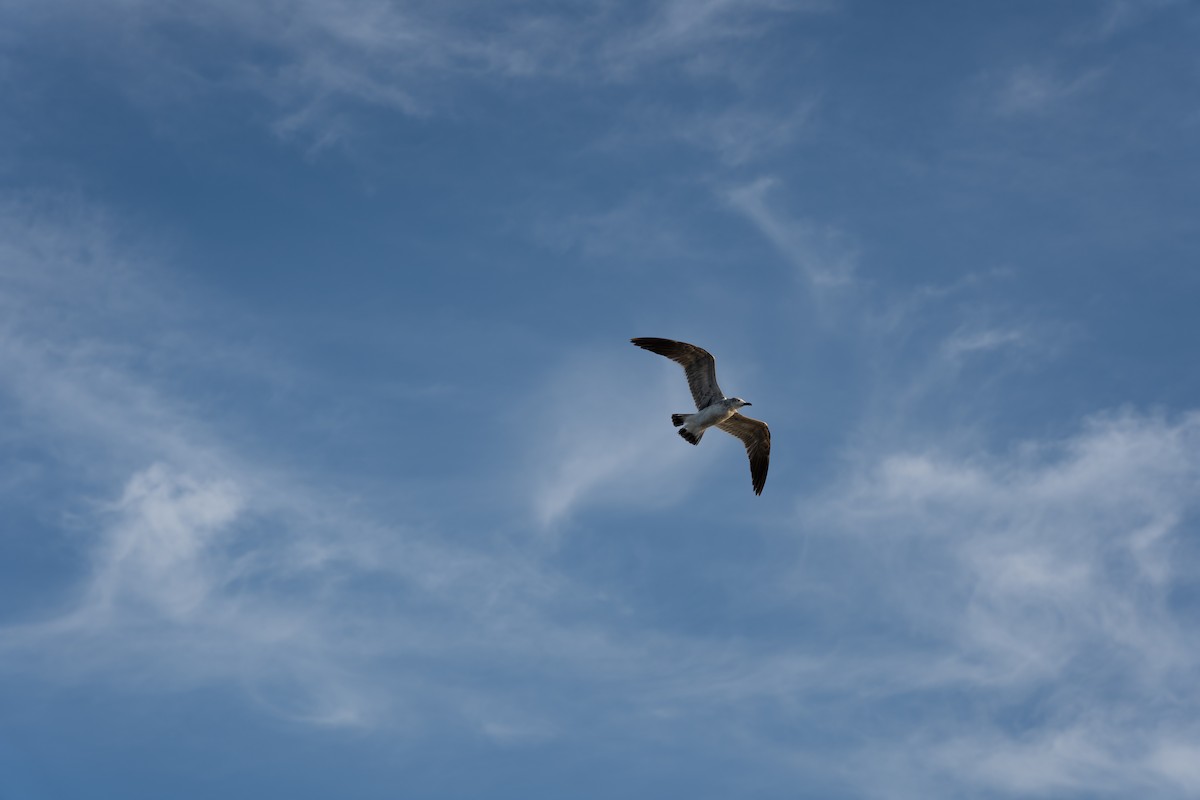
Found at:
(1046, 573)
(1074, 760)
(208, 561)
(743, 135)
(678, 28)
(1029, 89)
(966, 341)
(638, 229)
(820, 253)
(315, 62)
(581, 459)
(1114, 16)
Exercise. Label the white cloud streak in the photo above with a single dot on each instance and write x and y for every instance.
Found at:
(582, 458)
(1045, 574)
(819, 252)
(1113, 17)
(1029, 89)
(313, 61)
(966, 341)
(745, 135)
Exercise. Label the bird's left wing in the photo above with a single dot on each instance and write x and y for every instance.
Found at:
(757, 438)
(697, 363)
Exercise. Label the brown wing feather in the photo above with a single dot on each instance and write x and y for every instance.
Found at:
(698, 364)
(757, 438)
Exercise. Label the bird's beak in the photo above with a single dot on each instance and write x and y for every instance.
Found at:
(747, 404)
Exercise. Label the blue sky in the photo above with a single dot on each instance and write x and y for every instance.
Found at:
(327, 468)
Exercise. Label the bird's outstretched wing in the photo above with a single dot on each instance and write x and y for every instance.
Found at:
(698, 364)
(757, 438)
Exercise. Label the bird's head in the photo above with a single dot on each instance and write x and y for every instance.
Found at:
(738, 402)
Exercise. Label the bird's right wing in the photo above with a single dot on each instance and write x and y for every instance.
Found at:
(757, 438)
(697, 363)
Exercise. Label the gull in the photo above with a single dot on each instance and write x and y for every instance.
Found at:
(713, 408)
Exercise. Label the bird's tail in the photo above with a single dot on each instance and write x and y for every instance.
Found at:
(689, 437)
(679, 419)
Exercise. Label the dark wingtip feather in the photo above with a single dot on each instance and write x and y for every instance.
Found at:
(655, 344)
(758, 476)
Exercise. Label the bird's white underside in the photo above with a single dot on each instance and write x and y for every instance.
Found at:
(707, 417)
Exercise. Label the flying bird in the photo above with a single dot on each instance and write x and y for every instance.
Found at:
(713, 408)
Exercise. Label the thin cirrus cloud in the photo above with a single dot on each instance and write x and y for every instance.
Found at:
(1116, 16)
(1030, 90)
(206, 561)
(744, 135)
(674, 26)
(965, 342)
(1047, 573)
(638, 228)
(820, 253)
(577, 466)
(314, 62)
